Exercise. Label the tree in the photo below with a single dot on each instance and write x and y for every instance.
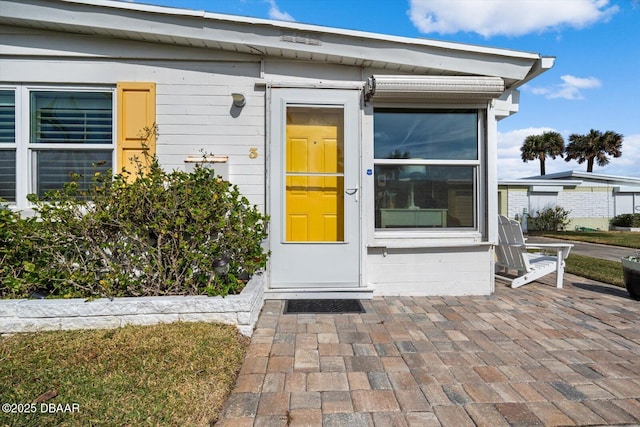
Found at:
(550, 144)
(594, 147)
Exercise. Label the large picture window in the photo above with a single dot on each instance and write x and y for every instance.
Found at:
(48, 136)
(426, 167)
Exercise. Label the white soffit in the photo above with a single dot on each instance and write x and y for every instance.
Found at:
(623, 189)
(469, 87)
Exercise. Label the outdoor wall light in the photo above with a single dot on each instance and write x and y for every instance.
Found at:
(238, 99)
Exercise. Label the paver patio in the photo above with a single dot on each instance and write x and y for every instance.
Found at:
(529, 356)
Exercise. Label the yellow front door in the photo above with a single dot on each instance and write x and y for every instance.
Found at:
(314, 175)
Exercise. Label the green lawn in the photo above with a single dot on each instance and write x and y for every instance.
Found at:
(617, 238)
(595, 269)
(178, 374)
(592, 268)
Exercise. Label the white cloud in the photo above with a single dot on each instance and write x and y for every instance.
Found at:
(506, 17)
(625, 165)
(511, 165)
(277, 14)
(570, 88)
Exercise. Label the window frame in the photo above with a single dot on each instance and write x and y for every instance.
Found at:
(26, 150)
(427, 237)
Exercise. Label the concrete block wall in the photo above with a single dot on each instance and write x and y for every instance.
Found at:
(516, 202)
(587, 204)
(62, 314)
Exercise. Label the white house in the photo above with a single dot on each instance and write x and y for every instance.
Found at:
(374, 155)
(591, 199)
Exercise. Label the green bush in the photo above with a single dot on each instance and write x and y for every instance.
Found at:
(549, 219)
(22, 258)
(626, 220)
(158, 234)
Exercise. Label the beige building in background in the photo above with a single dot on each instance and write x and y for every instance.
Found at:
(592, 199)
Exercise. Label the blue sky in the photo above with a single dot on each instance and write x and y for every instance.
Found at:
(595, 83)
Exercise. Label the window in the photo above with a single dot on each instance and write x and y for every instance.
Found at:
(48, 135)
(426, 168)
(71, 117)
(7, 145)
(74, 123)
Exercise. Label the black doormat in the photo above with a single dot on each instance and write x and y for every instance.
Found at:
(317, 306)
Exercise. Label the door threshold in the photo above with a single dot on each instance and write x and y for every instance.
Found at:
(319, 293)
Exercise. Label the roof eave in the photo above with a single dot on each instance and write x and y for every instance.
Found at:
(269, 38)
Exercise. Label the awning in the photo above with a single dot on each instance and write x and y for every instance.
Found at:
(424, 87)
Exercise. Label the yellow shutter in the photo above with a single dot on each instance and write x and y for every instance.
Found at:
(136, 116)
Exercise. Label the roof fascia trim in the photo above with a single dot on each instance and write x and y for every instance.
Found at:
(286, 25)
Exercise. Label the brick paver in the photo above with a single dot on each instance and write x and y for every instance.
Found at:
(536, 355)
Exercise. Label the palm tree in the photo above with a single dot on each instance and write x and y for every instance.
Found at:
(550, 144)
(594, 147)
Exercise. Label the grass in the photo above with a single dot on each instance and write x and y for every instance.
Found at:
(176, 374)
(617, 238)
(595, 269)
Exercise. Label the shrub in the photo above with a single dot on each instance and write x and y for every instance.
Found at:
(159, 234)
(626, 220)
(21, 257)
(549, 219)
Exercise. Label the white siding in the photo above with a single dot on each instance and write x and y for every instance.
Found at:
(194, 110)
(193, 118)
(431, 271)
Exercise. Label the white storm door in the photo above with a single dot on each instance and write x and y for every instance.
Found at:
(314, 188)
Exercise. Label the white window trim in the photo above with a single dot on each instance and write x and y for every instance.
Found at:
(432, 237)
(24, 148)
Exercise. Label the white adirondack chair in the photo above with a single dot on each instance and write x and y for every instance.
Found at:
(512, 254)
